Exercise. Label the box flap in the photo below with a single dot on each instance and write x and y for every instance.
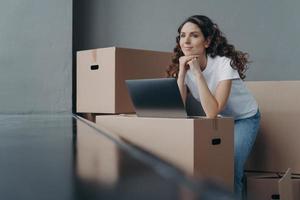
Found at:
(285, 186)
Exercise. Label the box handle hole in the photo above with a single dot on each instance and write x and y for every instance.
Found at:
(275, 196)
(216, 141)
(94, 67)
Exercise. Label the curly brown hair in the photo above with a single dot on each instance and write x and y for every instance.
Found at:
(218, 47)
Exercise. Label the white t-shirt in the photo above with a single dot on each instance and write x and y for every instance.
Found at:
(240, 104)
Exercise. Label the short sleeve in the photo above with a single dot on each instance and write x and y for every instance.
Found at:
(226, 72)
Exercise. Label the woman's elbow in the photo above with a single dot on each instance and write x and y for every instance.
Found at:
(211, 115)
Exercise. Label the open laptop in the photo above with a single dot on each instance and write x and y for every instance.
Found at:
(160, 98)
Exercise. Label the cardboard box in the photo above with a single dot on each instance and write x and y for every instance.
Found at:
(201, 147)
(101, 74)
(262, 186)
(278, 140)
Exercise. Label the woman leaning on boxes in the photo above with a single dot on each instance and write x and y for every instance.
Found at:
(213, 71)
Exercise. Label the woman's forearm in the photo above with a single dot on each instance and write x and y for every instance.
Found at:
(182, 88)
(208, 101)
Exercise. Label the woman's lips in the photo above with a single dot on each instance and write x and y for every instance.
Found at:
(187, 48)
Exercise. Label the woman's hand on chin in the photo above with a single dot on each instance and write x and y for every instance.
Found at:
(183, 63)
(195, 66)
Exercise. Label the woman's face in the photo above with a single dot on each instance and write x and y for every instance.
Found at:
(192, 41)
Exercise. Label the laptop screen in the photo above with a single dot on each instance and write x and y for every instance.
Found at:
(156, 98)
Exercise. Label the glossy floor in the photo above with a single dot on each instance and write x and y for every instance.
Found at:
(65, 157)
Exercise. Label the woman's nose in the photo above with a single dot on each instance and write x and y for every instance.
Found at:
(187, 40)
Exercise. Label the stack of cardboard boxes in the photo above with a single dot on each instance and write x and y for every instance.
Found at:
(277, 145)
(199, 146)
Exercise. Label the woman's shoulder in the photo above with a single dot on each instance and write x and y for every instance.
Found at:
(220, 59)
(219, 62)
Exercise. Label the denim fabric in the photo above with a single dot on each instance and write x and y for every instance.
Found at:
(245, 131)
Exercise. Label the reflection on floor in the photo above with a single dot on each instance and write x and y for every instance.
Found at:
(65, 157)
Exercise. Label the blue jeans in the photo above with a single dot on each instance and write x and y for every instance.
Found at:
(245, 131)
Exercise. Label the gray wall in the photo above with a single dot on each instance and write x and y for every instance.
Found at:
(35, 56)
(268, 30)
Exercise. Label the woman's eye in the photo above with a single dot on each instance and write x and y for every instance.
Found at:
(182, 35)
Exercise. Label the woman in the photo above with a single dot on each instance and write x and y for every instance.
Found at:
(213, 71)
